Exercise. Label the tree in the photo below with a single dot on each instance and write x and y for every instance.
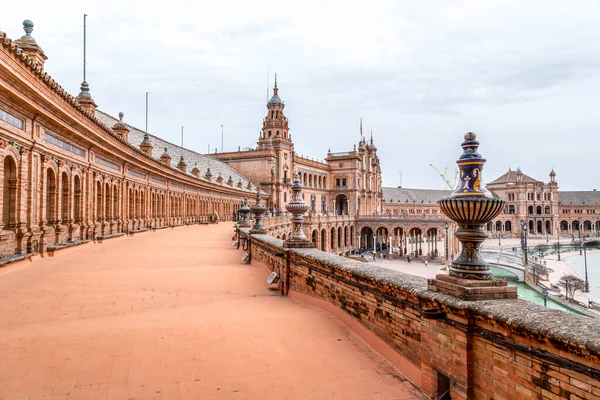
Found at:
(571, 283)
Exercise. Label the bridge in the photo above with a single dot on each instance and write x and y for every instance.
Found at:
(506, 261)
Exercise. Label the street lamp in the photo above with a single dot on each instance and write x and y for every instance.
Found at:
(545, 293)
(580, 251)
(558, 245)
(524, 241)
(586, 288)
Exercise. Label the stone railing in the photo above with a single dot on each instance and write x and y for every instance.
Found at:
(510, 349)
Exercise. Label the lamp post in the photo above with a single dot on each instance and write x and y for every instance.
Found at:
(545, 293)
(524, 241)
(586, 288)
(580, 250)
(558, 245)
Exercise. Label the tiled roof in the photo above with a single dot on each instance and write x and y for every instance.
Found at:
(579, 197)
(511, 176)
(191, 158)
(404, 195)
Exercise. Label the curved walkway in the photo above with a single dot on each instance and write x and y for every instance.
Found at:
(173, 314)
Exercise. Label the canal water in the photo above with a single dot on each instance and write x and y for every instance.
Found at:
(528, 293)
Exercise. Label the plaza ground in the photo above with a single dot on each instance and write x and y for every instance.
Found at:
(173, 314)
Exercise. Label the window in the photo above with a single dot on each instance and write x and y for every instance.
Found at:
(337, 182)
(284, 197)
(344, 182)
(341, 165)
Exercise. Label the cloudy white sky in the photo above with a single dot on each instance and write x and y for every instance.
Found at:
(524, 75)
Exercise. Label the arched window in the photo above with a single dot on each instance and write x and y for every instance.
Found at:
(511, 209)
(107, 202)
(65, 198)
(77, 199)
(538, 210)
(9, 193)
(530, 210)
(50, 196)
(99, 213)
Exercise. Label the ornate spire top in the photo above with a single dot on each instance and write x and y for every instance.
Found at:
(470, 163)
(28, 28)
(119, 125)
(275, 100)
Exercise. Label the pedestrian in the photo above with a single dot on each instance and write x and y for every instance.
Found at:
(408, 259)
(426, 262)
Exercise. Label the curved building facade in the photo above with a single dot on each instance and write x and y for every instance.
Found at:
(71, 172)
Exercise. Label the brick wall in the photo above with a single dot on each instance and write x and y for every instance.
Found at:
(501, 349)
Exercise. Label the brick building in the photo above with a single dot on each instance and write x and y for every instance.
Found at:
(73, 173)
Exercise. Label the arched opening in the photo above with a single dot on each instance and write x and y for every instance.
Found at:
(9, 194)
(345, 238)
(283, 237)
(530, 210)
(539, 228)
(575, 225)
(587, 225)
(538, 210)
(511, 209)
(50, 196)
(381, 235)
(340, 238)
(548, 228)
(315, 238)
(547, 210)
(323, 240)
(498, 226)
(489, 226)
(341, 204)
(77, 199)
(352, 236)
(332, 239)
(415, 240)
(508, 226)
(65, 198)
(431, 237)
(365, 240)
(99, 213)
(115, 198)
(564, 226)
(531, 227)
(310, 180)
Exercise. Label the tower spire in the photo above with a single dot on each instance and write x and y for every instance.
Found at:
(275, 89)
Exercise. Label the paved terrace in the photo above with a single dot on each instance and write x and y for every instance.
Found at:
(173, 314)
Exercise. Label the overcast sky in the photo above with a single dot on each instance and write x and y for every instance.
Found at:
(524, 75)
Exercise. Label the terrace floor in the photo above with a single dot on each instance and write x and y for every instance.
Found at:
(173, 314)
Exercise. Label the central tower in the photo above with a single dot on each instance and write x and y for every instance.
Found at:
(275, 124)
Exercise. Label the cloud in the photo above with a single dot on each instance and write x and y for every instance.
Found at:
(524, 75)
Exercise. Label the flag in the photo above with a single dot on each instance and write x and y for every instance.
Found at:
(361, 127)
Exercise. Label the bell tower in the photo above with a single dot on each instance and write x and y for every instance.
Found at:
(275, 129)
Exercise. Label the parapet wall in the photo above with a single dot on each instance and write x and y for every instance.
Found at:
(510, 349)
